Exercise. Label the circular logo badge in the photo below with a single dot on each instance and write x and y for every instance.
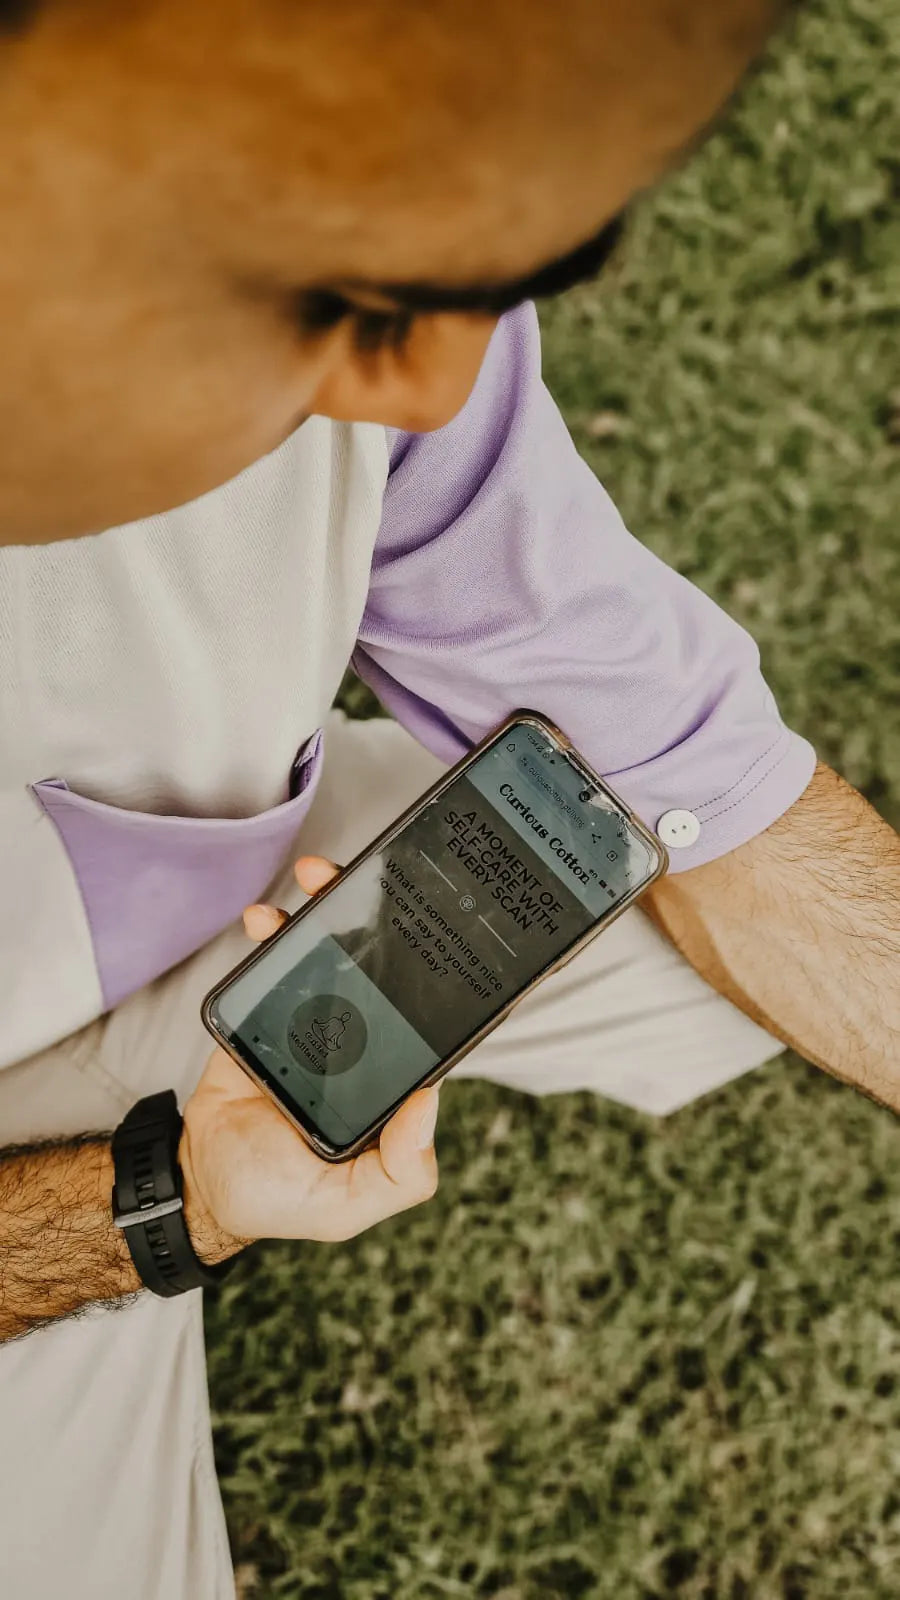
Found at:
(327, 1034)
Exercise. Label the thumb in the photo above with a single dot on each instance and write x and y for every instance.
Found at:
(407, 1141)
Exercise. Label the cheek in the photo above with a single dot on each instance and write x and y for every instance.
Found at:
(171, 407)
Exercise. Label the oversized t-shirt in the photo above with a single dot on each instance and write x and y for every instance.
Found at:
(163, 685)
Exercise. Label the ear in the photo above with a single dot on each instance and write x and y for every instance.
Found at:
(418, 387)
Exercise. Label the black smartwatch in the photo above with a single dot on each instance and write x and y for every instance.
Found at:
(147, 1199)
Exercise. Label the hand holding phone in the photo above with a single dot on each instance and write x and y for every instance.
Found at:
(249, 1175)
(409, 957)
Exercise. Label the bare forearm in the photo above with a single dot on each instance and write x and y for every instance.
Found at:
(59, 1251)
(801, 929)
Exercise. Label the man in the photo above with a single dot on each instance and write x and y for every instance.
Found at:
(219, 221)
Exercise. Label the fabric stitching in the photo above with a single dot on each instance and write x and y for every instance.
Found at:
(735, 803)
(92, 1067)
(744, 776)
(79, 1047)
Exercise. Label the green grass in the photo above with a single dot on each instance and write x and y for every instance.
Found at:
(617, 1358)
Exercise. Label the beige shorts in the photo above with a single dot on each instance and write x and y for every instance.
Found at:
(107, 1483)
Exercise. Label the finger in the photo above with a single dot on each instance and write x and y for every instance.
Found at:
(403, 1170)
(400, 1173)
(293, 1193)
(409, 1135)
(260, 922)
(313, 872)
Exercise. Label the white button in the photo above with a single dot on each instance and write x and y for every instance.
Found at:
(678, 829)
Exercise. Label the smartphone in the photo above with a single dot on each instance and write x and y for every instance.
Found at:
(495, 878)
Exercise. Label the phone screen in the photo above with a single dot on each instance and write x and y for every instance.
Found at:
(423, 943)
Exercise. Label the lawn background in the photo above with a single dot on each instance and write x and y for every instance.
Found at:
(619, 1358)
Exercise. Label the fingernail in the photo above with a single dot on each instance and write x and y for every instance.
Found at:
(425, 1136)
(266, 914)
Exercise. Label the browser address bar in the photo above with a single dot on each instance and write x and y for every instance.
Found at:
(541, 780)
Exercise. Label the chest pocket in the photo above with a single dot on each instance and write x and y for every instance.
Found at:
(157, 888)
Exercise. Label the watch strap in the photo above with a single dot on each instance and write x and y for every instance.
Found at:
(147, 1199)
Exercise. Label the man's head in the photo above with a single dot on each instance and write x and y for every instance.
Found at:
(222, 215)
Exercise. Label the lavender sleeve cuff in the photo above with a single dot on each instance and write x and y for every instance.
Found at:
(503, 576)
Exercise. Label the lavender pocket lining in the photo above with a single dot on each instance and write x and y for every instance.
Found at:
(157, 888)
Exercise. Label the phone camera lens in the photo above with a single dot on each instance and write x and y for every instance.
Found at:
(585, 796)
